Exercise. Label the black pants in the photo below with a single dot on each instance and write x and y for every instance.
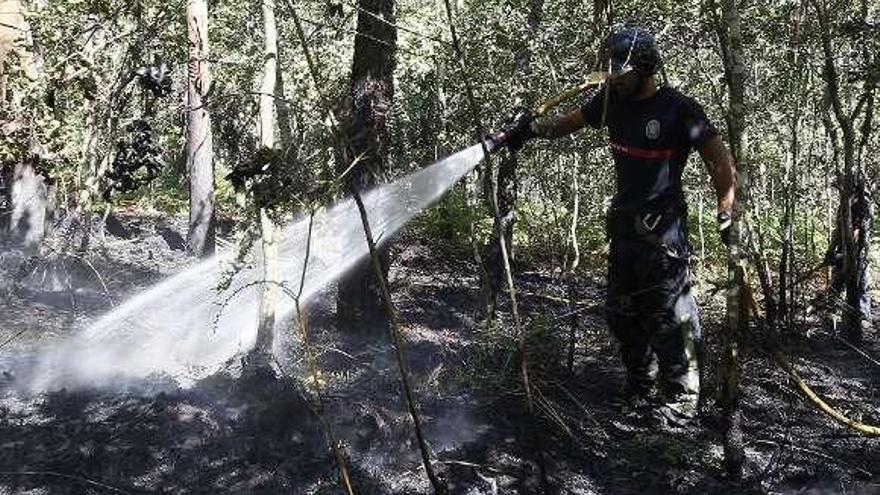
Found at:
(651, 310)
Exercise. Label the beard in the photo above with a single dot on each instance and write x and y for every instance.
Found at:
(628, 88)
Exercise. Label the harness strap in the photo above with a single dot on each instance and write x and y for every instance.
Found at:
(648, 222)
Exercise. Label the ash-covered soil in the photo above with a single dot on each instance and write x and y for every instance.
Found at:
(256, 434)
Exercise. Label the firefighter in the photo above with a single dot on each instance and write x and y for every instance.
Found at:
(652, 129)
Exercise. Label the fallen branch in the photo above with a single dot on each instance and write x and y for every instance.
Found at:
(805, 389)
(857, 350)
(468, 464)
(821, 404)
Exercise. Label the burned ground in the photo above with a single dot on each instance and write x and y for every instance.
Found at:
(232, 434)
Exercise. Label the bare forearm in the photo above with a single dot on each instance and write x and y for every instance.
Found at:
(559, 126)
(724, 183)
(722, 171)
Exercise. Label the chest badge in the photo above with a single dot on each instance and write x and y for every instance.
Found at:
(652, 129)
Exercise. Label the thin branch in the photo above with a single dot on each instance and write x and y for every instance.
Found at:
(302, 323)
(396, 335)
(17, 335)
(857, 350)
(64, 476)
(820, 404)
(827, 457)
(830, 70)
(10, 26)
(520, 330)
(342, 142)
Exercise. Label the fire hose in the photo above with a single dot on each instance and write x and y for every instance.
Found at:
(592, 80)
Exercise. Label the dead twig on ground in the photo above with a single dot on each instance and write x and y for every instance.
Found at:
(452, 462)
(805, 389)
(64, 476)
(17, 335)
(857, 350)
(816, 453)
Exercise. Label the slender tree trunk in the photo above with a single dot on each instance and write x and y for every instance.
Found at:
(737, 296)
(371, 97)
(786, 262)
(505, 187)
(199, 142)
(12, 25)
(575, 262)
(603, 14)
(268, 230)
(282, 108)
(785, 255)
(28, 198)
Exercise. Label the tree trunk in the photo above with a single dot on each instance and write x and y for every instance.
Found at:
(12, 24)
(28, 205)
(359, 302)
(268, 230)
(737, 296)
(854, 315)
(282, 109)
(786, 262)
(199, 142)
(504, 192)
(27, 195)
(603, 14)
(504, 188)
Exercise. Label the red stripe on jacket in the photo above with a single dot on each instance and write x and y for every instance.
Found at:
(645, 153)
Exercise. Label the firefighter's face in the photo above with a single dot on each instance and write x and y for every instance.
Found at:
(626, 85)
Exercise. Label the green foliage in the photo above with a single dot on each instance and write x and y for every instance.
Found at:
(449, 220)
(77, 97)
(494, 360)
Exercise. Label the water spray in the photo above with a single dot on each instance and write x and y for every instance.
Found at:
(167, 329)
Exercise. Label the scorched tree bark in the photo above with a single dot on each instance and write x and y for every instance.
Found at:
(370, 99)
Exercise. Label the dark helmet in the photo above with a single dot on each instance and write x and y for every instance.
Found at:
(630, 46)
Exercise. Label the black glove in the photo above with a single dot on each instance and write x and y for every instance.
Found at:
(520, 129)
(725, 222)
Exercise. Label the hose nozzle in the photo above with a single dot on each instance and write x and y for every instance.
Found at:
(593, 79)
